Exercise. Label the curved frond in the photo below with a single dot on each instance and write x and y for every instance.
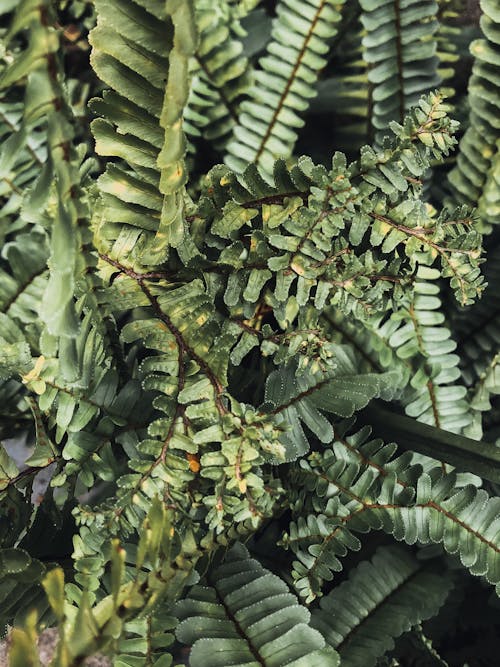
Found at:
(434, 396)
(352, 496)
(415, 341)
(57, 189)
(302, 399)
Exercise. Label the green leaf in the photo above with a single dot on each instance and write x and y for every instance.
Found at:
(247, 616)
(53, 584)
(399, 591)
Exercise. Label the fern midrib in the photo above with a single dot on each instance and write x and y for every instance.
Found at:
(321, 216)
(21, 288)
(419, 233)
(366, 506)
(181, 342)
(368, 462)
(289, 83)
(276, 199)
(361, 621)
(429, 384)
(229, 614)
(299, 397)
(163, 453)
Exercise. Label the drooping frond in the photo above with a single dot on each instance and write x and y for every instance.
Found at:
(246, 615)
(400, 49)
(45, 98)
(415, 340)
(284, 84)
(399, 591)
(477, 163)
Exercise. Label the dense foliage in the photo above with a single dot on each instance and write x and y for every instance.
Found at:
(245, 373)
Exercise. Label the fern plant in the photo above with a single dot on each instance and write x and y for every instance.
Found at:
(200, 326)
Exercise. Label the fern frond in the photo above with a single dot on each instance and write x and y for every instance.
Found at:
(415, 341)
(248, 616)
(489, 201)
(308, 231)
(476, 460)
(150, 579)
(23, 280)
(303, 398)
(400, 49)
(343, 90)
(420, 647)
(434, 396)
(23, 152)
(176, 348)
(20, 585)
(285, 83)
(361, 496)
(46, 97)
(478, 146)
(220, 74)
(446, 37)
(476, 330)
(147, 639)
(201, 433)
(142, 202)
(407, 591)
